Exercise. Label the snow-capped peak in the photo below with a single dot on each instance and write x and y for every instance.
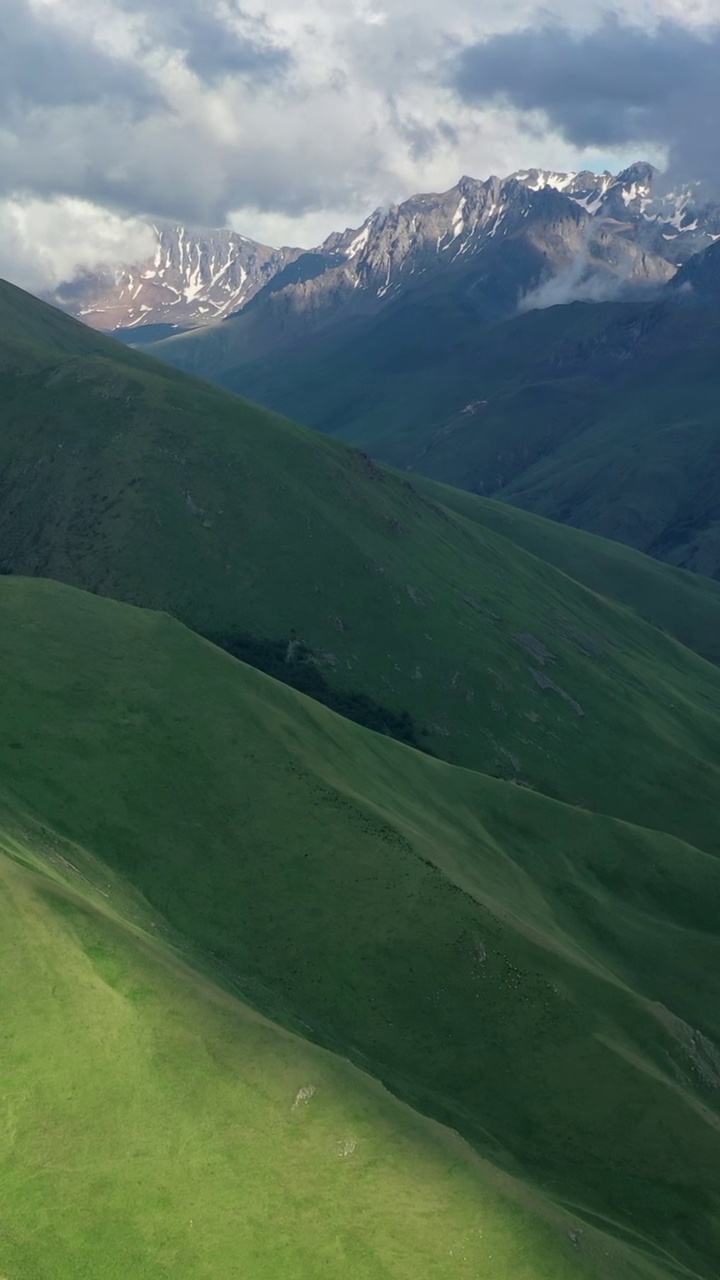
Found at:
(197, 277)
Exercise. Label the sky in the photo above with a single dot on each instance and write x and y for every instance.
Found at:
(287, 119)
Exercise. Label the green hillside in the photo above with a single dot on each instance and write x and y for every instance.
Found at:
(603, 416)
(125, 478)
(517, 968)
(169, 1135)
(685, 605)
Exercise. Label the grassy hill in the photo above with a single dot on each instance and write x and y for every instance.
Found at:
(684, 605)
(170, 1134)
(602, 415)
(129, 479)
(519, 969)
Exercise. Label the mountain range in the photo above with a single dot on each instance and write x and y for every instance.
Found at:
(623, 231)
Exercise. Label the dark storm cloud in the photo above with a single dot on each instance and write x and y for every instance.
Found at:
(211, 54)
(43, 64)
(122, 131)
(615, 85)
(214, 44)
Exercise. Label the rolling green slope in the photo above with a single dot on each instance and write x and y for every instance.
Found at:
(31, 332)
(155, 1127)
(685, 605)
(123, 477)
(540, 978)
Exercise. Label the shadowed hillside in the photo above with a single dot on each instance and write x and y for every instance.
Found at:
(126, 478)
(602, 415)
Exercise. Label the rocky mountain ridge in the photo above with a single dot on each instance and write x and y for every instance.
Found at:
(192, 278)
(602, 227)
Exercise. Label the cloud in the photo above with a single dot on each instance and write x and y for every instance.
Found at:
(285, 116)
(581, 281)
(215, 40)
(43, 242)
(614, 85)
(45, 64)
(197, 109)
(185, 111)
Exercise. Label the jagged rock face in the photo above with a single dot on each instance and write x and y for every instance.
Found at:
(394, 249)
(496, 243)
(427, 231)
(192, 278)
(634, 199)
(618, 223)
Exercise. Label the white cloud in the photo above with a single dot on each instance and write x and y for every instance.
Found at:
(42, 242)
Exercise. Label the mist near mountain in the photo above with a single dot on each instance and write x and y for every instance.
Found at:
(587, 279)
(577, 283)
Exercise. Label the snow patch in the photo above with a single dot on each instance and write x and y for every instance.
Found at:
(590, 204)
(538, 179)
(358, 244)
(458, 222)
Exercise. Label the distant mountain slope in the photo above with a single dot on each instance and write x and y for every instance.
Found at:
(125, 477)
(682, 604)
(698, 280)
(521, 970)
(601, 415)
(192, 278)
